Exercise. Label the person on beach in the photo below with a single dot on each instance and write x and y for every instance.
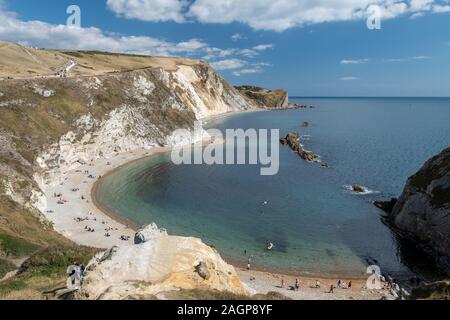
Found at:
(282, 283)
(297, 285)
(349, 285)
(331, 289)
(338, 283)
(317, 284)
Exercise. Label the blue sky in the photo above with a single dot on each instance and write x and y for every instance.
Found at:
(311, 48)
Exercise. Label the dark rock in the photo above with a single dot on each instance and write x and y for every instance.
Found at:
(358, 188)
(434, 291)
(422, 212)
(293, 140)
(386, 206)
(202, 270)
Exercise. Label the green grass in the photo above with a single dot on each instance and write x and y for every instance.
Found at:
(5, 267)
(16, 247)
(12, 285)
(53, 261)
(44, 271)
(433, 291)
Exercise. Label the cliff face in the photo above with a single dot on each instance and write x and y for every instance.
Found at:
(109, 104)
(273, 99)
(50, 125)
(422, 212)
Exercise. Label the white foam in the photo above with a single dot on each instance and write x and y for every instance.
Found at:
(367, 191)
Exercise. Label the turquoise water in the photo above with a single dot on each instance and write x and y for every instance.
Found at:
(316, 224)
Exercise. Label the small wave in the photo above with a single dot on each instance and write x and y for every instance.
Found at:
(367, 191)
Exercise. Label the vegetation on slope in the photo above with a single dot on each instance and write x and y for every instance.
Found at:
(264, 97)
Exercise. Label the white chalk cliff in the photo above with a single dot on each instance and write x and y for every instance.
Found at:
(154, 268)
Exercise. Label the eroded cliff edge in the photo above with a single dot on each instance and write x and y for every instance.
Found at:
(51, 125)
(422, 213)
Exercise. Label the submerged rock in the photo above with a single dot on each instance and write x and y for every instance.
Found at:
(422, 213)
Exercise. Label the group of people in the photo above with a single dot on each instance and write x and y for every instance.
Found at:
(339, 284)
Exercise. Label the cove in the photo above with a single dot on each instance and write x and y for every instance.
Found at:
(317, 225)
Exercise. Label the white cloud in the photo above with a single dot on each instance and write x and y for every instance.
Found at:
(357, 61)
(237, 37)
(276, 15)
(42, 34)
(417, 15)
(420, 5)
(228, 64)
(247, 71)
(216, 53)
(348, 78)
(394, 60)
(263, 47)
(422, 57)
(150, 10)
(441, 9)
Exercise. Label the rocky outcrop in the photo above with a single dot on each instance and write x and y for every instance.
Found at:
(433, 291)
(157, 267)
(386, 206)
(293, 141)
(149, 233)
(273, 99)
(422, 213)
(358, 189)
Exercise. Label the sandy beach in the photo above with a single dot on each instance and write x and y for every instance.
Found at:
(78, 213)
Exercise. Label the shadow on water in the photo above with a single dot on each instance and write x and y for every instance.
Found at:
(414, 262)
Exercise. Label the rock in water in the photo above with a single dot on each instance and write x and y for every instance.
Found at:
(293, 141)
(422, 213)
(358, 188)
(149, 233)
(157, 267)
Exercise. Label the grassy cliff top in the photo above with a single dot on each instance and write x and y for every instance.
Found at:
(20, 62)
(265, 97)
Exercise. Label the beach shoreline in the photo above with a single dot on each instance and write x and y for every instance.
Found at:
(82, 210)
(263, 281)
